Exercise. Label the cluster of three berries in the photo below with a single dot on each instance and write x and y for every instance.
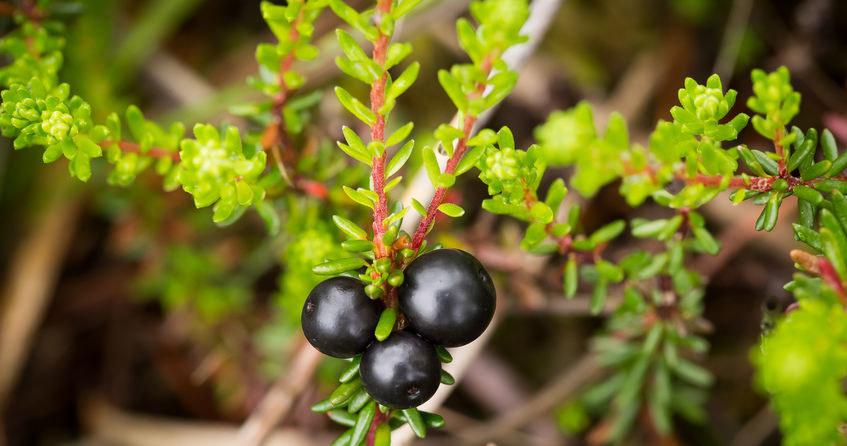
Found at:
(448, 299)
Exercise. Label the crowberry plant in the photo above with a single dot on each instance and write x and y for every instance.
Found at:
(394, 302)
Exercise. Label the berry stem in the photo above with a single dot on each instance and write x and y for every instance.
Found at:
(379, 417)
(452, 162)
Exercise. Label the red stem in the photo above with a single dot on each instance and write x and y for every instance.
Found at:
(379, 417)
(440, 192)
(377, 96)
(830, 276)
(780, 151)
(131, 147)
(275, 135)
(452, 163)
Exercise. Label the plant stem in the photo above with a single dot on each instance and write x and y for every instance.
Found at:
(780, 151)
(830, 276)
(452, 162)
(275, 136)
(753, 183)
(379, 417)
(131, 147)
(377, 97)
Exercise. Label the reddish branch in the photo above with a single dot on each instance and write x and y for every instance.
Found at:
(275, 135)
(830, 276)
(378, 134)
(379, 417)
(131, 147)
(452, 163)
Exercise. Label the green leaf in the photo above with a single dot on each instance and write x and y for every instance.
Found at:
(324, 406)
(356, 107)
(400, 158)
(771, 212)
(451, 209)
(445, 180)
(770, 166)
(363, 423)
(443, 354)
(830, 150)
(413, 417)
(400, 134)
(403, 82)
(453, 89)
(348, 227)
(648, 228)
(447, 378)
(706, 240)
(432, 420)
(817, 170)
(808, 194)
(807, 236)
(555, 194)
(431, 165)
(692, 373)
(348, 44)
(571, 278)
(396, 53)
(838, 165)
(357, 245)
(344, 439)
(136, 123)
(343, 418)
(386, 324)
(343, 392)
(352, 371)
(382, 437)
(419, 207)
(608, 232)
(806, 151)
(405, 7)
(598, 297)
(269, 215)
(469, 159)
(831, 185)
(339, 266)
(359, 196)
(541, 213)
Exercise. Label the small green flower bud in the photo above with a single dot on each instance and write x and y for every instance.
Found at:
(374, 291)
(395, 279)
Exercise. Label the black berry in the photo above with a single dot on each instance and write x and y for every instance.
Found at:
(402, 371)
(447, 297)
(338, 318)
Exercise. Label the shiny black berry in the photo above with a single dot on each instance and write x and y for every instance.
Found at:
(402, 371)
(447, 297)
(338, 318)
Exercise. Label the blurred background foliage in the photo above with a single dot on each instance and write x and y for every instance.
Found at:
(158, 310)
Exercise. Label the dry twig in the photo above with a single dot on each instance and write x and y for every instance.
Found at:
(29, 283)
(278, 401)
